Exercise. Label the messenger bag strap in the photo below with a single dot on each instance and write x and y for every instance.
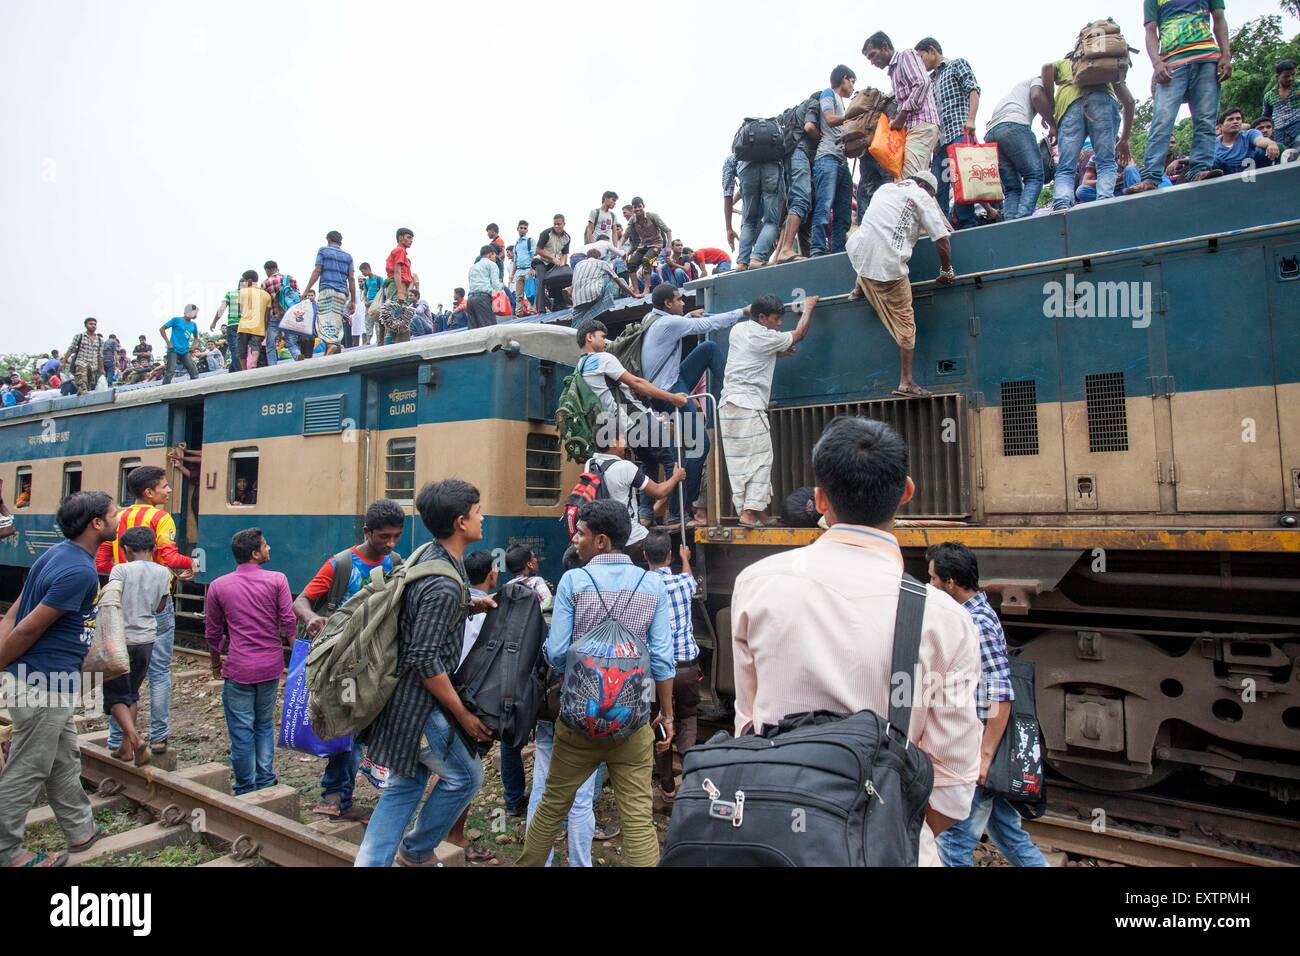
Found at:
(907, 648)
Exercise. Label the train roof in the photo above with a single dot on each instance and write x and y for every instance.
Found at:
(543, 340)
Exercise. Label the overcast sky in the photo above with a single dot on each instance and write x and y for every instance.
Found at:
(154, 151)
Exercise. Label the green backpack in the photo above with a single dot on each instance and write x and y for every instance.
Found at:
(627, 347)
(578, 416)
(352, 667)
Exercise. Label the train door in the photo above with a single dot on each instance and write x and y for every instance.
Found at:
(185, 471)
(1110, 326)
(392, 445)
(1224, 406)
(1283, 264)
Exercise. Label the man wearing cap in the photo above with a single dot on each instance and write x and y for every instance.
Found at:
(183, 332)
(881, 250)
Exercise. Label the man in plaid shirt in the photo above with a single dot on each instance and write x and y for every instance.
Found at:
(274, 280)
(957, 94)
(680, 589)
(955, 570)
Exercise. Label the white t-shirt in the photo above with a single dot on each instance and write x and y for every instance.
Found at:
(605, 222)
(898, 214)
(144, 585)
(624, 480)
(595, 367)
(473, 627)
(1017, 107)
(751, 362)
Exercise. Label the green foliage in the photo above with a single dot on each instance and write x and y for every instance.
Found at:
(25, 363)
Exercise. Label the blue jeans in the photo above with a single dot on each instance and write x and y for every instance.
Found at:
(1097, 116)
(340, 777)
(1197, 84)
(1020, 167)
(582, 815)
(965, 212)
(160, 681)
(250, 720)
(705, 357)
(513, 780)
(957, 843)
(272, 334)
(798, 177)
(1132, 176)
(460, 774)
(763, 193)
(832, 203)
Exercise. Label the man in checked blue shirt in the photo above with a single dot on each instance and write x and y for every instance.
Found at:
(681, 588)
(955, 570)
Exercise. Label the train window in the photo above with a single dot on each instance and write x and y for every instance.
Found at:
(243, 477)
(124, 469)
(1107, 412)
(23, 494)
(543, 466)
(399, 471)
(71, 478)
(1020, 418)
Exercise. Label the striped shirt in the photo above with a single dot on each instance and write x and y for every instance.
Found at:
(681, 590)
(912, 89)
(335, 266)
(590, 279)
(1285, 113)
(232, 308)
(995, 669)
(813, 629)
(164, 529)
(952, 84)
(1186, 29)
(430, 635)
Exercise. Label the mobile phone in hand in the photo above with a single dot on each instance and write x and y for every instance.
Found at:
(661, 733)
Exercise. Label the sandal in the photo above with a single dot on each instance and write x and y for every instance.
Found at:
(42, 861)
(916, 391)
(101, 831)
(474, 855)
(159, 748)
(329, 808)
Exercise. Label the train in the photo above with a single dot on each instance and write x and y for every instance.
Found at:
(1114, 429)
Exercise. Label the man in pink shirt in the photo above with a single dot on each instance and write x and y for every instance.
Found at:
(249, 615)
(813, 628)
(917, 112)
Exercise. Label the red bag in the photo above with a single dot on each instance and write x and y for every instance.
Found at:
(974, 171)
(501, 303)
(590, 487)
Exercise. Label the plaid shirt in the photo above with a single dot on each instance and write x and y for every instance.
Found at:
(272, 285)
(88, 351)
(952, 83)
(681, 590)
(912, 89)
(994, 667)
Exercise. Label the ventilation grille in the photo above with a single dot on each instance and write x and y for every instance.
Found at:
(542, 478)
(1107, 412)
(323, 415)
(1019, 418)
(934, 429)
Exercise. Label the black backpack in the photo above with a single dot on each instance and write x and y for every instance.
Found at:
(761, 141)
(819, 789)
(501, 680)
(1016, 773)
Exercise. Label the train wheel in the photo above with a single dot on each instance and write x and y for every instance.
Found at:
(1106, 778)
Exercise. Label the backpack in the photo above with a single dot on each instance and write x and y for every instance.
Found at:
(1100, 55)
(607, 681)
(329, 602)
(501, 680)
(761, 141)
(1016, 773)
(287, 296)
(627, 347)
(352, 667)
(590, 487)
(818, 789)
(578, 416)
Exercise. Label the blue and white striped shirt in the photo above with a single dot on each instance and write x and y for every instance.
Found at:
(995, 669)
(681, 590)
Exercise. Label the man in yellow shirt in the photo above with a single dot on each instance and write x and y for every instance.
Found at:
(254, 305)
(1087, 112)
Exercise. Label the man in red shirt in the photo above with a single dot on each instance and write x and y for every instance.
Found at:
(717, 258)
(399, 267)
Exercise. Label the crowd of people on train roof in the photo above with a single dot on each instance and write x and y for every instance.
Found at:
(622, 562)
(803, 204)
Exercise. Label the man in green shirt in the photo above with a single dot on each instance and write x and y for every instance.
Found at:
(1084, 112)
(230, 308)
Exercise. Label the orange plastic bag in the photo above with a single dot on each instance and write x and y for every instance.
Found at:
(888, 147)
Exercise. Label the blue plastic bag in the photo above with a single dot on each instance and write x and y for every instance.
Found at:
(295, 721)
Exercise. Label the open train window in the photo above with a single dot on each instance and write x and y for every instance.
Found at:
(23, 493)
(542, 476)
(243, 477)
(399, 471)
(71, 479)
(124, 469)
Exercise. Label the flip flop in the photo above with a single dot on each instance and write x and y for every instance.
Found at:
(919, 392)
(101, 831)
(473, 855)
(331, 810)
(42, 861)
(159, 748)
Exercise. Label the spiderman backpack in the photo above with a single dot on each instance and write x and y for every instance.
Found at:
(607, 680)
(590, 487)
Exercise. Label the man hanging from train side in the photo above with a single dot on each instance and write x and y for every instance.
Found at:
(152, 493)
(880, 252)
